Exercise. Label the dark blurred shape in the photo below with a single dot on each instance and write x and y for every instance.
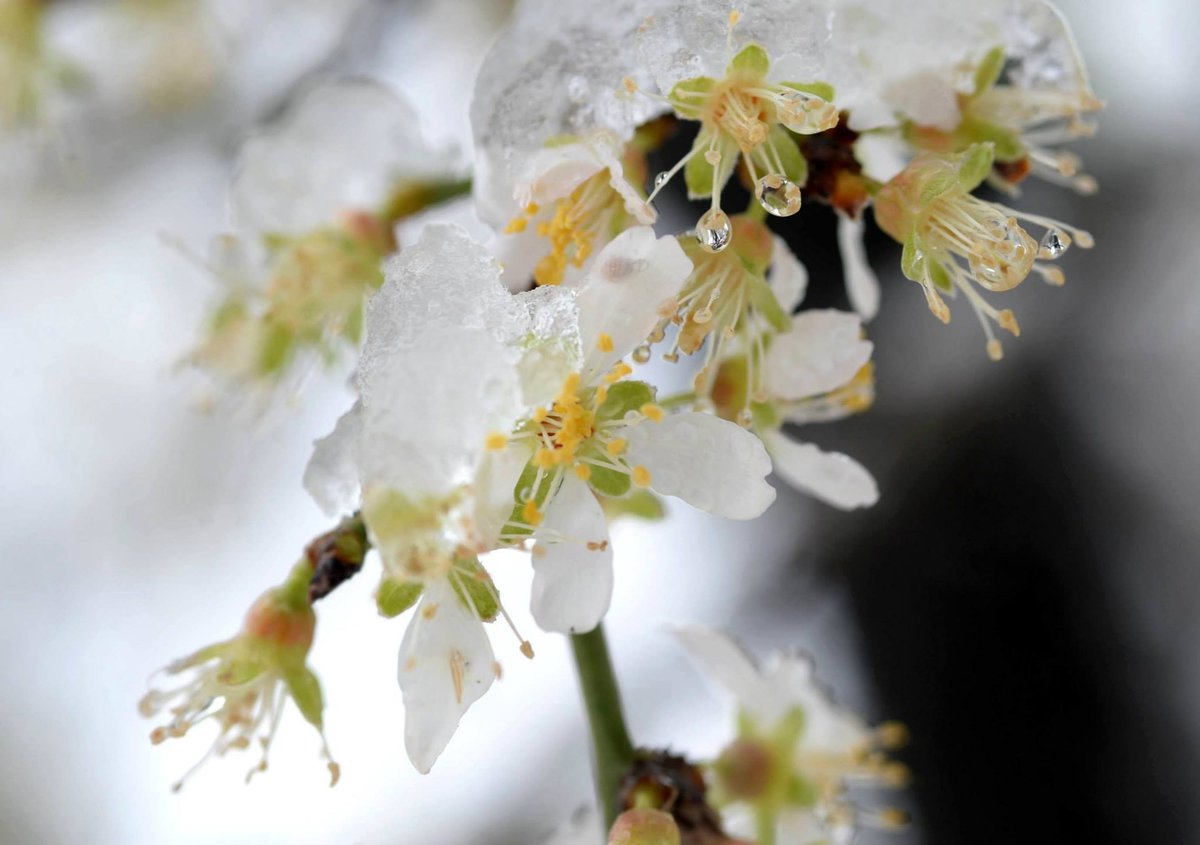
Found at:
(990, 629)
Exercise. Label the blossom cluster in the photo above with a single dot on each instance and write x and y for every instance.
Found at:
(501, 392)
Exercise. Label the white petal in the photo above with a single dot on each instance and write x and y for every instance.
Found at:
(572, 562)
(554, 172)
(343, 147)
(928, 99)
(832, 477)
(607, 149)
(446, 664)
(787, 276)
(862, 285)
(827, 727)
(710, 463)
(629, 282)
(728, 666)
(495, 480)
(331, 476)
(823, 351)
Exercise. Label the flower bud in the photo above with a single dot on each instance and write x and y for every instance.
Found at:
(644, 826)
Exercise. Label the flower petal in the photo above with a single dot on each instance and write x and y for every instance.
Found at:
(729, 667)
(552, 173)
(572, 562)
(862, 285)
(710, 463)
(827, 727)
(630, 281)
(787, 276)
(446, 664)
(832, 477)
(331, 476)
(823, 351)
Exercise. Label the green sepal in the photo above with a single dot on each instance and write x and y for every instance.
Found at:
(795, 166)
(475, 588)
(751, 62)
(800, 792)
(763, 299)
(912, 259)
(698, 173)
(394, 597)
(640, 504)
(690, 107)
(278, 343)
(605, 481)
(818, 89)
(514, 527)
(1006, 144)
(989, 70)
(943, 181)
(306, 692)
(940, 277)
(975, 166)
(766, 416)
(624, 396)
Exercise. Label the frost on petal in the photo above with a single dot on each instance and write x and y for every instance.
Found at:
(1041, 49)
(341, 147)
(551, 350)
(862, 285)
(927, 98)
(832, 477)
(827, 727)
(559, 69)
(683, 40)
(730, 668)
(572, 562)
(788, 277)
(446, 664)
(710, 463)
(427, 408)
(823, 351)
(331, 476)
(877, 46)
(627, 286)
(444, 280)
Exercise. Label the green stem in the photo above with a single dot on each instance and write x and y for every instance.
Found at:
(611, 746)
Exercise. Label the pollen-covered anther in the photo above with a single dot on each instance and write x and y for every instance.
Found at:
(527, 649)
(496, 441)
(640, 476)
(1008, 321)
(652, 412)
(531, 514)
(583, 472)
(604, 342)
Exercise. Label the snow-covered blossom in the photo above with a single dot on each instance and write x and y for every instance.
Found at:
(243, 683)
(788, 771)
(955, 242)
(312, 208)
(603, 434)
(439, 371)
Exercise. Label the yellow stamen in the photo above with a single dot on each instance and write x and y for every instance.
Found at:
(531, 514)
(641, 476)
(583, 471)
(652, 412)
(616, 446)
(496, 441)
(605, 342)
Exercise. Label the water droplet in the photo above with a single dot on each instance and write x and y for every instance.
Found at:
(1054, 244)
(778, 195)
(744, 418)
(714, 231)
(702, 315)
(661, 179)
(642, 354)
(806, 114)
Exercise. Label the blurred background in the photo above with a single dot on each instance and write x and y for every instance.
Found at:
(1025, 596)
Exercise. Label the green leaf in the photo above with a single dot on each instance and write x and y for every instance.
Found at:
(989, 70)
(781, 146)
(751, 61)
(818, 89)
(698, 173)
(475, 588)
(623, 397)
(306, 692)
(394, 597)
